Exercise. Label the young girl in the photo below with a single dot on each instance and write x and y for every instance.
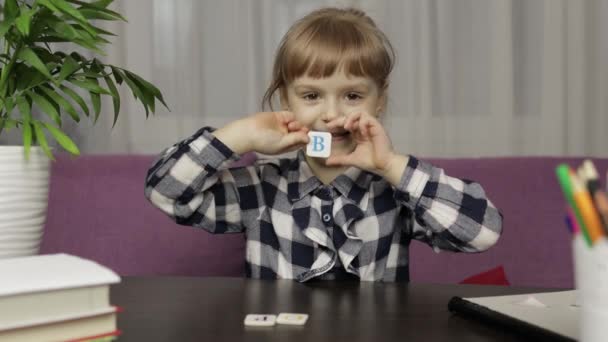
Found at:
(350, 216)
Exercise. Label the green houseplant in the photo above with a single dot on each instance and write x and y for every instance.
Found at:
(40, 88)
(35, 75)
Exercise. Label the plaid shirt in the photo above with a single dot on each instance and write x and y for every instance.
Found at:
(298, 228)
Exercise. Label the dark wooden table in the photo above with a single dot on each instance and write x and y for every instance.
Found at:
(212, 309)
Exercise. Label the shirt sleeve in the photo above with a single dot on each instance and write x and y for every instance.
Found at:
(448, 213)
(192, 183)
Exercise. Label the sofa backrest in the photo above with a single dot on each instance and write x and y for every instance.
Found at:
(97, 210)
(535, 247)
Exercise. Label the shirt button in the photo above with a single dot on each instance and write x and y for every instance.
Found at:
(326, 217)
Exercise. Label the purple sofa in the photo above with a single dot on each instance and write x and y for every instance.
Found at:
(97, 210)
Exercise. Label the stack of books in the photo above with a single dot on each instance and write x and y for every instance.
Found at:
(56, 297)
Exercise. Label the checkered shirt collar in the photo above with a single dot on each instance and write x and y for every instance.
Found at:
(353, 184)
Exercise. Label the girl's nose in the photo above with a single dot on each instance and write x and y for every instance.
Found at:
(332, 111)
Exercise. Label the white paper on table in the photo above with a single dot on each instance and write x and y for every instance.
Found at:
(553, 311)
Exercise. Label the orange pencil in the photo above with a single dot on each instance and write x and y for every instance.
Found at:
(584, 203)
(601, 203)
(587, 173)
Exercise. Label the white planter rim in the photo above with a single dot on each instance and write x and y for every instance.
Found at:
(19, 147)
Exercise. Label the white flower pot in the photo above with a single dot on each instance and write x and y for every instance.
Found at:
(24, 189)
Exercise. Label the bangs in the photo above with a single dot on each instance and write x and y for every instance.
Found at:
(336, 45)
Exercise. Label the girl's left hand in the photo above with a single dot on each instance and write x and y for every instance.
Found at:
(374, 150)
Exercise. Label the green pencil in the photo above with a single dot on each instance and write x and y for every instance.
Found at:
(563, 176)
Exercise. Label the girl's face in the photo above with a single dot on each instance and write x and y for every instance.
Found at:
(317, 101)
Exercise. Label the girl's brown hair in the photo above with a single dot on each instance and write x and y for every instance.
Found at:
(329, 38)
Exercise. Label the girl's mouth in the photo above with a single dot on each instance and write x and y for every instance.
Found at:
(339, 136)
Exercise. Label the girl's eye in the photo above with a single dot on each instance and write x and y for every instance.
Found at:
(353, 96)
(311, 96)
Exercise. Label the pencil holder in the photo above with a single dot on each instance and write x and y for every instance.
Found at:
(591, 280)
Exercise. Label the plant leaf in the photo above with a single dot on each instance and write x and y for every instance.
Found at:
(50, 38)
(11, 9)
(49, 5)
(64, 30)
(61, 102)
(11, 84)
(26, 114)
(89, 85)
(45, 55)
(147, 96)
(30, 56)
(77, 98)
(117, 75)
(7, 124)
(115, 98)
(52, 66)
(137, 93)
(102, 31)
(149, 86)
(96, 102)
(90, 74)
(66, 8)
(89, 46)
(84, 35)
(69, 67)
(38, 79)
(9, 105)
(99, 5)
(41, 138)
(62, 139)
(25, 108)
(91, 13)
(26, 74)
(23, 22)
(45, 106)
(5, 26)
(91, 40)
(78, 57)
(27, 138)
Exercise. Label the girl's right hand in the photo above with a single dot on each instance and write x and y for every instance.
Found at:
(275, 132)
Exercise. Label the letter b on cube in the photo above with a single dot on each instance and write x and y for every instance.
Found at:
(319, 144)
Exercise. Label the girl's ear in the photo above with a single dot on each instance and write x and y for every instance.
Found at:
(283, 99)
(382, 101)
